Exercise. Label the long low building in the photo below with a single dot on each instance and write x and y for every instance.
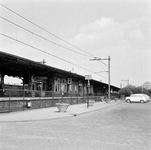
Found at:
(43, 80)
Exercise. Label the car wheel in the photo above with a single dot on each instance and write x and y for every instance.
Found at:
(142, 101)
(128, 101)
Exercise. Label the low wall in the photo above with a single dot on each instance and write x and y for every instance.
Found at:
(10, 104)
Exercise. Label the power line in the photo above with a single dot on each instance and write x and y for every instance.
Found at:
(49, 33)
(97, 59)
(45, 30)
(115, 79)
(46, 52)
(41, 36)
(47, 40)
(116, 75)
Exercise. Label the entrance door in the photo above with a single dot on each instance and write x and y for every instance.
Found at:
(38, 88)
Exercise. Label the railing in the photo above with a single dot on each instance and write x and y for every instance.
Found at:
(17, 99)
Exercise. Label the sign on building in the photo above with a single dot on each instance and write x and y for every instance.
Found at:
(69, 80)
(88, 77)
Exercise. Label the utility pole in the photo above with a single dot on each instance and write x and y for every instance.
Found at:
(88, 77)
(126, 81)
(97, 59)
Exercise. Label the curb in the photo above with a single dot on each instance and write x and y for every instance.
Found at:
(78, 114)
(60, 117)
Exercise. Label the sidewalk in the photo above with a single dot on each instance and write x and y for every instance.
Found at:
(52, 112)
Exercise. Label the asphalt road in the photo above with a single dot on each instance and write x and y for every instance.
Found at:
(120, 127)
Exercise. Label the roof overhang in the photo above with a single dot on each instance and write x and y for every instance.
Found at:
(16, 66)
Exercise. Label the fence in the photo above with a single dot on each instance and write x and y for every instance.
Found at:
(20, 100)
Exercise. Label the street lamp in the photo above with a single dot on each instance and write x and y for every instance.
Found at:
(97, 59)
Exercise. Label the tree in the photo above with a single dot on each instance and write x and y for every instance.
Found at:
(126, 91)
(130, 89)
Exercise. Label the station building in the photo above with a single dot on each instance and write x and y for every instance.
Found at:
(39, 79)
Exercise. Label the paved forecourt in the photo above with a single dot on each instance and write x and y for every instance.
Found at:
(52, 112)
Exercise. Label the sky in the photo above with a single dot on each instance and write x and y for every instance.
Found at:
(76, 31)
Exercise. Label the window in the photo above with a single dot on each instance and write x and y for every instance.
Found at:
(57, 86)
(70, 88)
(64, 86)
(0, 78)
(69, 80)
(44, 86)
(85, 88)
(76, 87)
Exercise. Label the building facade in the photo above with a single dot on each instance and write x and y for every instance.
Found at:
(43, 80)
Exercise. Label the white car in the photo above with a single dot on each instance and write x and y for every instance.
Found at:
(142, 98)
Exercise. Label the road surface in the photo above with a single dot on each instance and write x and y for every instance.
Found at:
(120, 127)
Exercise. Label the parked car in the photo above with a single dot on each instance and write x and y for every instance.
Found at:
(142, 98)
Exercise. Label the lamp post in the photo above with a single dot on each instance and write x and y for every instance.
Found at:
(97, 59)
(88, 77)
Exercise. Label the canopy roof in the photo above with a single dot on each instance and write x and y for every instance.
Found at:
(16, 66)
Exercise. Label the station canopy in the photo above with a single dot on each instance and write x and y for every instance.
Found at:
(16, 66)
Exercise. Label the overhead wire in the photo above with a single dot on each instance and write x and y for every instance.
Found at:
(42, 36)
(48, 31)
(45, 39)
(88, 54)
(44, 29)
(46, 52)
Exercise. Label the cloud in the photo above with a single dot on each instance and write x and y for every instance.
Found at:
(93, 31)
(97, 25)
(102, 32)
(136, 34)
(107, 32)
